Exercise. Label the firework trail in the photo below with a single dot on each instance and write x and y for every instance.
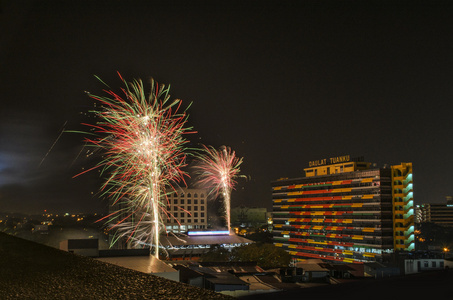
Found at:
(141, 137)
(61, 132)
(217, 170)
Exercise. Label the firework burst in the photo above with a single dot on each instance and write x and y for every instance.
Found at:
(217, 170)
(141, 137)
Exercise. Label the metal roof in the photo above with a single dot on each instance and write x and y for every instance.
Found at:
(203, 240)
(145, 264)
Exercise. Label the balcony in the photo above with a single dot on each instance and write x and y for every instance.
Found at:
(409, 205)
(409, 214)
(409, 232)
(409, 240)
(398, 195)
(408, 188)
(409, 196)
(408, 179)
(399, 177)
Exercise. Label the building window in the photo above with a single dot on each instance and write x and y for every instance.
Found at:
(202, 208)
(189, 208)
(182, 201)
(175, 201)
(189, 201)
(425, 264)
(195, 208)
(195, 220)
(196, 215)
(195, 195)
(202, 220)
(433, 264)
(189, 195)
(189, 220)
(175, 214)
(195, 201)
(202, 201)
(202, 215)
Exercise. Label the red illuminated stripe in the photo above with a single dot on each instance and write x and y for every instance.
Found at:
(303, 220)
(334, 243)
(325, 213)
(320, 205)
(317, 199)
(331, 228)
(328, 235)
(318, 192)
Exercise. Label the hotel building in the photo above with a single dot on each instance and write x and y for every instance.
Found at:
(186, 210)
(343, 210)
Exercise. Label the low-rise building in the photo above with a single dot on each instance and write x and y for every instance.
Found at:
(423, 264)
(85, 247)
(437, 213)
(191, 247)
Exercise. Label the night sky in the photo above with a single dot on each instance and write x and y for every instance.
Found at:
(280, 82)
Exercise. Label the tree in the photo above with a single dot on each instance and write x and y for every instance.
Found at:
(433, 235)
(267, 256)
(261, 235)
(216, 254)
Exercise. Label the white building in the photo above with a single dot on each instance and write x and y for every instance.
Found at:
(425, 264)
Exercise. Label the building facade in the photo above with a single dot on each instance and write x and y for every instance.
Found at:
(344, 211)
(186, 210)
(437, 213)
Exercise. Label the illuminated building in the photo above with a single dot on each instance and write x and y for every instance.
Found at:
(438, 213)
(187, 210)
(345, 211)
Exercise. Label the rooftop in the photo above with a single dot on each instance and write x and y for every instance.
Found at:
(146, 264)
(203, 240)
(33, 271)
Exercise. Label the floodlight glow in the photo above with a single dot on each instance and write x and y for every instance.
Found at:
(217, 232)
